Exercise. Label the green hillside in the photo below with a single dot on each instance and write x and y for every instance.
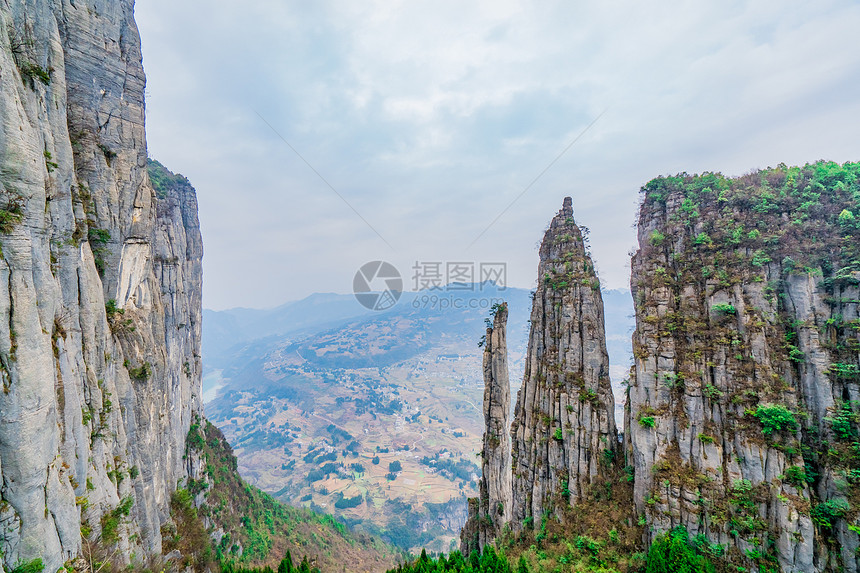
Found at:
(238, 526)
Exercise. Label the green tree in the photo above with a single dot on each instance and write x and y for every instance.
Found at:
(286, 564)
(672, 552)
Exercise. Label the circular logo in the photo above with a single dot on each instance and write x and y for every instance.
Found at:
(377, 285)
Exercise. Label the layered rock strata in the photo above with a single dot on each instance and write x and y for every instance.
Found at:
(563, 431)
(492, 509)
(742, 411)
(100, 299)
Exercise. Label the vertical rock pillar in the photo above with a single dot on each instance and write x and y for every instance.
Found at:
(492, 510)
(564, 427)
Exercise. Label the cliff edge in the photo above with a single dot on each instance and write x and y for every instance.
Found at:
(100, 305)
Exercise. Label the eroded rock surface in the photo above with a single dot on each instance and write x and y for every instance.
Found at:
(563, 430)
(100, 285)
(492, 509)
(742, 411)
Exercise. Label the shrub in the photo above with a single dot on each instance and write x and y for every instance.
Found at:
(565, 490)
(141, 373)
(647, 421)
(98, 239)
(11, 215)
(841, 422)
(657, 238)
(558, 435)
(796, 476)
(375, 460)
(672, 552)
(760, 258)
(712, 392)
(111, 520)
(112, 309)
(34, 566)
(826, 513)
(724, 309)
(31, 72)
(775, 418)
(702, 239)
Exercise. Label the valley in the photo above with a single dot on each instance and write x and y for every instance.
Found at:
(374, 418)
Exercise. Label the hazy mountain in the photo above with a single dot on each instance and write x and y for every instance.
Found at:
(315, 389)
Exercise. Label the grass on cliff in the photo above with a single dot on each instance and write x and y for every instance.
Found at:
(596, 535)
(776, 228)
(257, 529)
(163, 179)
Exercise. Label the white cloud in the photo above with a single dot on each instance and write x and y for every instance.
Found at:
(430, 117)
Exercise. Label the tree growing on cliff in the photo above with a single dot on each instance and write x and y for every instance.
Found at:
(672, 552)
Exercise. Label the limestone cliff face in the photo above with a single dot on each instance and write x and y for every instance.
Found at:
(492, 509)
(563, 430)
(742, 411)
(100, 283)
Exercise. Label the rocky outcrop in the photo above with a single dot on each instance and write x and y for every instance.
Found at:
(492, 509)
(742, 411)
(100, 297)
(563, 430)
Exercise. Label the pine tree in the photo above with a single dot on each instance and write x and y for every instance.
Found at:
(286, 565)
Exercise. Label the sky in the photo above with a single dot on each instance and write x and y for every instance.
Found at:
(323, 135)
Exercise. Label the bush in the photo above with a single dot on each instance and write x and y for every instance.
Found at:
(31, 72)
(34, 566)
(824, 514)
(724, 309)
(112, 520)
(841, 422)
(99, 239)
(775, 418)
(672, 552)
(11, 216)
(141, 373)
(796, 476)
(394, 467)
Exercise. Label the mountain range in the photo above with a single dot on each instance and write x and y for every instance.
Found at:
(322, 397)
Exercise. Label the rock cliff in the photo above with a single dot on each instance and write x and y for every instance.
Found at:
(492, 509)
(563, 430)
(742, 410)
(742, 419)
(101, 292)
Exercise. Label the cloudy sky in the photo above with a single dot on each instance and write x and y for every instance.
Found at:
(431, 118)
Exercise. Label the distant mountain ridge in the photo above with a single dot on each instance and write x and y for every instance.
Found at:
(227, 332)
(321, 398)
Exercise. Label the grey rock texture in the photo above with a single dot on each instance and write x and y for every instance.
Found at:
(747, 313)
(563, 432)
(492, 509)
(100, 289)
